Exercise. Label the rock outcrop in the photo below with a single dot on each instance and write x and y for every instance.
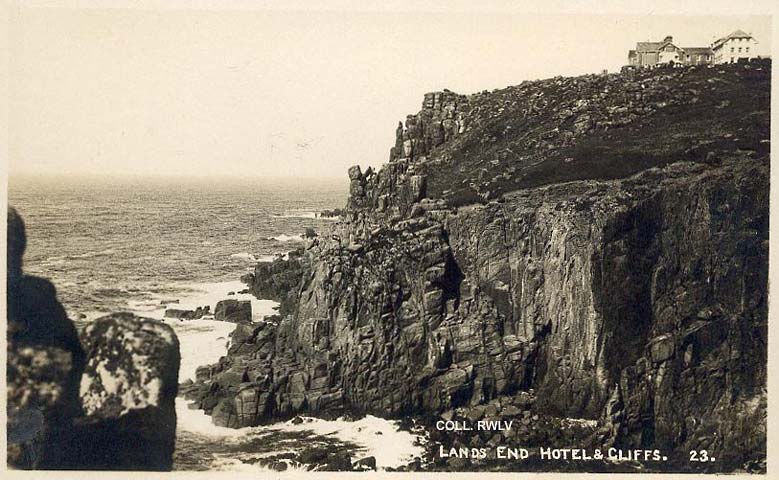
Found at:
(128, 392)
(107, 405)
(183, 314)
(44, 366)
(236, 311)
(279, 280)
(599, 240)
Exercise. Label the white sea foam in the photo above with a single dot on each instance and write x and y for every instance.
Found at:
(54, 261)
(196, 421)
(252, 258)
(202, 294)
(244, 256)
(377, 437)
(202, 342)
(303, 214)
(287, 238)
(297, 214)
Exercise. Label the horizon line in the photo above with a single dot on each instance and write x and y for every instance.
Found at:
(12, 175)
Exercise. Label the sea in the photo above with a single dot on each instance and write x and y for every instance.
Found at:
(144, 244)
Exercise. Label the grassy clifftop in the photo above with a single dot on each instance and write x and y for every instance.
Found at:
(598, 127)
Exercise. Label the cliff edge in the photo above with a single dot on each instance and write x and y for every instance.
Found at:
(598, 243)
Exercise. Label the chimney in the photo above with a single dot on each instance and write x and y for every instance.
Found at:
(668, 39)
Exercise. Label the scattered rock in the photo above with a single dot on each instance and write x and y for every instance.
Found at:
(236, 311)
(367, 463)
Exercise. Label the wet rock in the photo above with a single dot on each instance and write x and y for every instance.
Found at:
(367, 463)
(198, 313)
(327, 461)
(235, 311)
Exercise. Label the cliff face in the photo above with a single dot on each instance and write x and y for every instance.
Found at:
(594, 241)
(652, 292)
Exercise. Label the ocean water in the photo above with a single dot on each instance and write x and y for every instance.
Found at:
(135, 244)
(109, 244)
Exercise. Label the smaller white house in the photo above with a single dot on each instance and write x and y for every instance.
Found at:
(732, 48)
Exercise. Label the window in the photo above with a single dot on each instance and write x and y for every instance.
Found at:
(731, 59)
(747, 49)
(739, 49)
(732, 49)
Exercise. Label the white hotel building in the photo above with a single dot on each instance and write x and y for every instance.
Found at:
(733, 47)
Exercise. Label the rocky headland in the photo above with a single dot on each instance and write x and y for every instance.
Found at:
(586, 256)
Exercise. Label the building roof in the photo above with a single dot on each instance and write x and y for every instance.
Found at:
(739, 34)
(736, 34)
(649, 46)
(697, 50)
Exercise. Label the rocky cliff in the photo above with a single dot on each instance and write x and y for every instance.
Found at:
(598, 242)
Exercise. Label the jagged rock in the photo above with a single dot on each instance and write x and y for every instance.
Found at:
(128, 391)
(279, 280)
(355, 173)
(198, 313)
(662, 348)
(367, 463)
(236, 311)
(599, 279)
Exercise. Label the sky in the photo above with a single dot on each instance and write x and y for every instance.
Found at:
(252, 92)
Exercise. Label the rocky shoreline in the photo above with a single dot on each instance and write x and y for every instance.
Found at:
(577, 262)
(611, 283)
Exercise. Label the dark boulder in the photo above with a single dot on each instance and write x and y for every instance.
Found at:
(182, 314)
(44, 364)
(236, 311)
(130, 420)
(128, 377)
(367, 463)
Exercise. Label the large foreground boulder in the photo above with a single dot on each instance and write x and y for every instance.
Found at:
(110, 408)
(128, 393)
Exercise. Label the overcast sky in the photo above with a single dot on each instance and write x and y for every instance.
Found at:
(279, 93)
